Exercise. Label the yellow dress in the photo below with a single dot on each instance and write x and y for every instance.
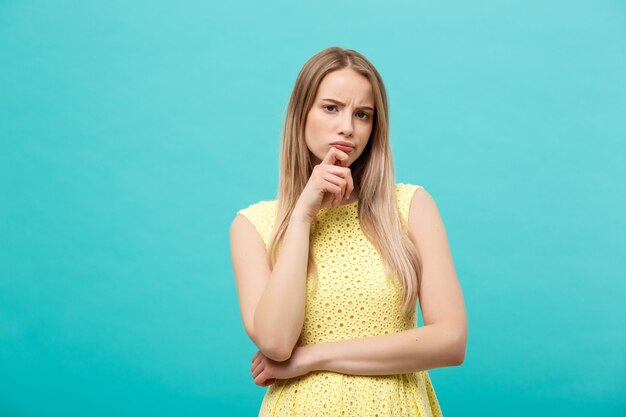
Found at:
(353, 299)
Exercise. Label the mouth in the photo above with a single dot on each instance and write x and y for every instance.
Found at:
(343, 146)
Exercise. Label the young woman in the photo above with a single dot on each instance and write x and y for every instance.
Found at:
(330, 273)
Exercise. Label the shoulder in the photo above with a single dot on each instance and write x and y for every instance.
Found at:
(424, 220)
(411, 193)
(259, 207)
(261, 215)
(405, 196)
(407, 190)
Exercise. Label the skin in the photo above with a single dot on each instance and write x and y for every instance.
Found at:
(442, 340)
(328, 121)
(343, 109)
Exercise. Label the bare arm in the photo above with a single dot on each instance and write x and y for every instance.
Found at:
(272, 303)
(440, 342)
(279, 314)
(422, 348)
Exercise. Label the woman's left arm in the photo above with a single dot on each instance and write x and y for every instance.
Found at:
(422, 348)
(440, 342)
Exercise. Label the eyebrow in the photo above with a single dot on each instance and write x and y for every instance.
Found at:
(332, 100)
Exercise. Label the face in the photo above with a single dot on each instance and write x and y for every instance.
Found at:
(343, 111)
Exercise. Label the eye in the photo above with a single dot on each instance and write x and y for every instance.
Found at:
(361, 115)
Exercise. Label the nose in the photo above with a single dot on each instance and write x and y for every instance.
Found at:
(346, 124)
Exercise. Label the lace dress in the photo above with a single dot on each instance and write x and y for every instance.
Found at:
(353, 299)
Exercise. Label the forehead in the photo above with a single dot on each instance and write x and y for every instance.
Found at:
(346, 84)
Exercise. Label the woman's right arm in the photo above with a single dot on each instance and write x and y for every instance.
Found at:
(272, 302)
(279, 315)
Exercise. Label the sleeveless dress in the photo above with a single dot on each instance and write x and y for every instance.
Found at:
(353, 299)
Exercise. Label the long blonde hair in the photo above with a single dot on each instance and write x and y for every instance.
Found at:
(372, 172)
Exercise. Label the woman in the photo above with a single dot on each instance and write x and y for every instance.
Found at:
(329, 275)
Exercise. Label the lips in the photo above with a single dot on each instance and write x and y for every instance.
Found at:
(343, 146)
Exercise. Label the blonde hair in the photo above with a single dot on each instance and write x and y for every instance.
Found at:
(372, 172)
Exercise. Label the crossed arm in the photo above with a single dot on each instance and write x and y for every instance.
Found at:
(422, 348)
(440, 342)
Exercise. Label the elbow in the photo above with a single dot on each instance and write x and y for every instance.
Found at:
(275, 353)
(271, 349)
(280, 356)
(457, 350)
(457, 357)
(457, 347)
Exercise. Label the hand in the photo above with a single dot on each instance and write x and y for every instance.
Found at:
(329, 184)
(266, 371)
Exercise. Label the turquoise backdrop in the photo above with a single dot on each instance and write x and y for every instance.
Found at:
(132, 131)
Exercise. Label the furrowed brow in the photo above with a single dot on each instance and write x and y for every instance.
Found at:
(332, 100)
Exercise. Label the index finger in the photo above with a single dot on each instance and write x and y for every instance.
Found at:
(333, 155)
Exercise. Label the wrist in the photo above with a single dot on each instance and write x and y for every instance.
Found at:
(299, 217)
(314, 358)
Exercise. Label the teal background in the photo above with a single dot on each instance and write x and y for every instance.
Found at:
(132, 131)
